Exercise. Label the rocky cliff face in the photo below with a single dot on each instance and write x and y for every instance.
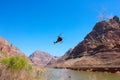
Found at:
(105, 37)
(42, 58)
(7, 49)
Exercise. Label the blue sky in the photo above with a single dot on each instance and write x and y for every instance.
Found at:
(35, 24)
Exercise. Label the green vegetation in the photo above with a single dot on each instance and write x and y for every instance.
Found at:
(18, 68)
(15, 63)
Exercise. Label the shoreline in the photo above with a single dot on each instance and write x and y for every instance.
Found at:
(93, 69)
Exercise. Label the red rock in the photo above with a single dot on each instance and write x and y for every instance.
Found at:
(42, 58)
(9, 49)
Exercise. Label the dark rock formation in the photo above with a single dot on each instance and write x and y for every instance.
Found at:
(115, 18)
(42, 58)
(7, 49)
(105, 37)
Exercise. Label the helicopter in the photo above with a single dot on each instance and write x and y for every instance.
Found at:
(59, 39)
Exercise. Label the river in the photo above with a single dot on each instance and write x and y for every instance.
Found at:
(65, 74)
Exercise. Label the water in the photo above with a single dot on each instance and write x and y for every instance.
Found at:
(65, 74)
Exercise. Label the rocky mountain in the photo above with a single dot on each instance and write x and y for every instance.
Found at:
(105, 37)
(7, 49)
(101, 47)
(42, 58)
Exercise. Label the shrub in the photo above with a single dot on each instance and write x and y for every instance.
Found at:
(15, 63)
(17, 68)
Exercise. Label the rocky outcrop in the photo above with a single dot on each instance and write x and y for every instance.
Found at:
(7, 49)
(105, 37)
(42, 58)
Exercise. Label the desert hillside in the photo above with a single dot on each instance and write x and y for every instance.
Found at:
(8, 49)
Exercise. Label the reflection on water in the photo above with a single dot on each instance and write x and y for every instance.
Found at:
(65, 74)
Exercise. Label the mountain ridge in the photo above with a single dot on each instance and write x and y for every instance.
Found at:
(105, 36)
(42, 58)
(8, 49)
